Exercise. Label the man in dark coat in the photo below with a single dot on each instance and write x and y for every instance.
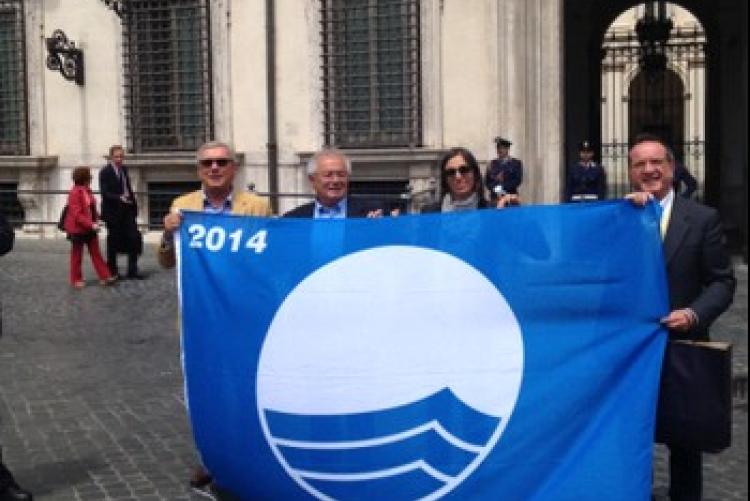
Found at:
(328, 172)
(505, 173)
(587, 180)
(119, 212)
(9, 489)
(699, 274)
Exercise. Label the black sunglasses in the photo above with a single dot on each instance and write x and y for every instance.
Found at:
(208, 162)
(463, 170)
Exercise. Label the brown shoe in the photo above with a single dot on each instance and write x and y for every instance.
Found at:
(108, 281)
(200, 478)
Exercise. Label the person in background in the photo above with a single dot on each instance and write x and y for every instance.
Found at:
(700, 275)
(9, 488)
(329, 171)
(505, 173)
(119, 212)
(81, 227)
(683, 178)
(461, 185)
(587, 180)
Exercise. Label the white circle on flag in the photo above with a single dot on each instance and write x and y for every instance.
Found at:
(377, 333)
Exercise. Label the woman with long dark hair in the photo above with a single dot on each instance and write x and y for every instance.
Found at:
(81, 225)
(462, 187)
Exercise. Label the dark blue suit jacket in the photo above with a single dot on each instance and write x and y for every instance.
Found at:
(512, 175)
(583, 180)
(355, 207)
(113, 209)
(699, 270)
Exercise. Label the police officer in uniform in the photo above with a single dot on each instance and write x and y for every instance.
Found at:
(505, 173)
(587, 181)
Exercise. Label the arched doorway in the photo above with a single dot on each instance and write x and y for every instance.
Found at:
(721, 79)
(669, 101)
(656, 106)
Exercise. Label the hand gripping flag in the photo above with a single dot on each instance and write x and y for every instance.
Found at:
(490, 354)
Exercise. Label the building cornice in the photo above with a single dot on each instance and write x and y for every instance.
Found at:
(28, 162)
(385, 156)
(179, 159)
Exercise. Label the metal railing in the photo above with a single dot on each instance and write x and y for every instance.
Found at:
(406, 201)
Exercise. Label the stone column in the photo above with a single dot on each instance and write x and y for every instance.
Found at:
(530, 92)
(221, 70)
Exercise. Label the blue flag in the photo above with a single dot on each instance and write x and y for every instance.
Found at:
(509, 354)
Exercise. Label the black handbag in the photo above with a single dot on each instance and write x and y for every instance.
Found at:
(695, 396)
(61, 221)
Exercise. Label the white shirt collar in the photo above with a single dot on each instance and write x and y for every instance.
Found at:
(667, 201)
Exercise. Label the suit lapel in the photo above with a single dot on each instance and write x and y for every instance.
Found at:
(677, 230)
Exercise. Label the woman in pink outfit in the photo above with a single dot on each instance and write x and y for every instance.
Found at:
(82, 227)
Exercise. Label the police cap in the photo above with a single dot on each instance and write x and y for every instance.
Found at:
(501, 141)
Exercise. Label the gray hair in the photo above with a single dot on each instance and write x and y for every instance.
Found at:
(215, 144)
(312, 164)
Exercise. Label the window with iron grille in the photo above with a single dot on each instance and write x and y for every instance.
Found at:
(160, 197)
(167, 74)
(371, 73)
(13, 119)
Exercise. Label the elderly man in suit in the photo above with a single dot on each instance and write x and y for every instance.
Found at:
(329, 171)
(699, 273)
(9, 489)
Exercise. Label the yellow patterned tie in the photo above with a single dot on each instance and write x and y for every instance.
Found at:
(665, 214)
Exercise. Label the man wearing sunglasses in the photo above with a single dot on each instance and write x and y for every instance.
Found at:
(329, 171)
(216, 170)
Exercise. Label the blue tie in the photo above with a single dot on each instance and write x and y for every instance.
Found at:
(329, 212)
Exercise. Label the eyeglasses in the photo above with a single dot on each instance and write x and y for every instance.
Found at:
(463, 170)
(209, 162)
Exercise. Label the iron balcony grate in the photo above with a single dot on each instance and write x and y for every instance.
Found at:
(167, 74)
(371, 73)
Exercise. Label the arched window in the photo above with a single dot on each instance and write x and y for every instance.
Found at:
(657, 105)
(669, 102)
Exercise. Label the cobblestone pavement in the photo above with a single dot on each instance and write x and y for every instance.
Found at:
(91, 390)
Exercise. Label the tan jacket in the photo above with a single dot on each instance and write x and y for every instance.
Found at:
(243, 203)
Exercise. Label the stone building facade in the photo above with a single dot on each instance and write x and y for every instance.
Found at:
(395, 83)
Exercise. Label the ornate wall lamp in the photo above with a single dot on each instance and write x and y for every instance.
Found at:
(653, 30)
(63, 56)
